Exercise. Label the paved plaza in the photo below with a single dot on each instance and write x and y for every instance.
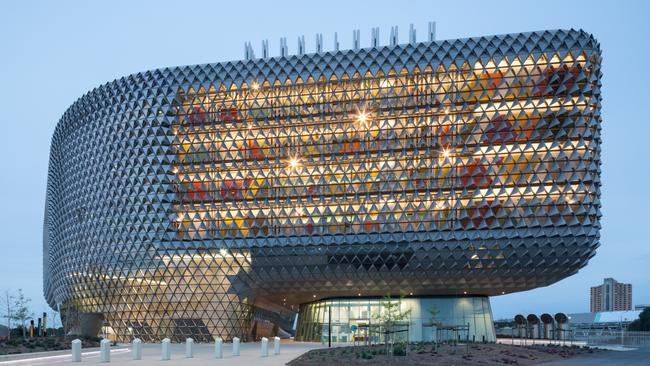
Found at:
(151, 355)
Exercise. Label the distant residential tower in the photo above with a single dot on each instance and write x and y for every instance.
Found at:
(611, 296)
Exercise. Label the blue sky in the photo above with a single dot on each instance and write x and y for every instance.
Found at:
(51, 53)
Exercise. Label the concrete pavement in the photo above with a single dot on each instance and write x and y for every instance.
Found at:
(203, 355)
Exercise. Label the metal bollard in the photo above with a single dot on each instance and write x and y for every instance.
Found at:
(235, 346)
(166, 350)
(265, 347)
(105, 351)
(76, 350)
(137, 349)
(189, 351)
(218, 348)
(276, 345)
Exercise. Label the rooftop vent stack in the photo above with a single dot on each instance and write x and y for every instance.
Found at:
(265, 48)
(374, 37)
(432, 31)
(533, 322)
(393, 36)
(336, 41)
(248, 51)
(549, 325)
(301, 45)
(319, 42)
(356, 43)
(412, 38)
(521, 325)
(562, 326)
(283, 47)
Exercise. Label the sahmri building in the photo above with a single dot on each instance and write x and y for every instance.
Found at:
(292, 194)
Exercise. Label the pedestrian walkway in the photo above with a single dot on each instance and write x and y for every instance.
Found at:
(151, 355)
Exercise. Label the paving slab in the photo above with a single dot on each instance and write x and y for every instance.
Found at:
(151, 355)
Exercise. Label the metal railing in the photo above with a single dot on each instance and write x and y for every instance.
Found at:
(601, 337)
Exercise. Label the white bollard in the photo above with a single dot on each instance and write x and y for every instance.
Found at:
(265, 347)
(166, 350)
(105, 351)
(276, 345)
(189, 351)
(76, 350)
(218, 348)
(235, 346)
(137, 349)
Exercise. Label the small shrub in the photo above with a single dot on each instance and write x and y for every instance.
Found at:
(399, 349)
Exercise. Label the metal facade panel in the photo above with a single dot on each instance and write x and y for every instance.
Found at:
(181, 198)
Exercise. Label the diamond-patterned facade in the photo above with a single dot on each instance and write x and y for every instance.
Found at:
(182, 200)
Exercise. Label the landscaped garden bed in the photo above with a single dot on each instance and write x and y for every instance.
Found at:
(429, 354)
(41, 344)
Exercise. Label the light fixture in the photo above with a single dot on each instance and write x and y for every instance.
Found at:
(255, 86)
(363, 117)
(445, 153)
(464, 292)
(223, 252)
(294, 162)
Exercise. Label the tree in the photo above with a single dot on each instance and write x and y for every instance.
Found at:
(8, 310)
(433, 311)
(391, 316)
(643, 323)
(435, 323)
(21, 311)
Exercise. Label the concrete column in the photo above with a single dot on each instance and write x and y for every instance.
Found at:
(136, 349)
(218, 348)
(235, 346)
(166, 350)
(189, 348)
(105, 351)
(265, 347)
(276, 345)
(76, 350)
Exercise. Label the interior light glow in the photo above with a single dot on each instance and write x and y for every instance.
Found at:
(294, 162)
(385, 83)
(363, 117)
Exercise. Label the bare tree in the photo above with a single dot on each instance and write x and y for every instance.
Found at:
(8, 310)
(21, 311)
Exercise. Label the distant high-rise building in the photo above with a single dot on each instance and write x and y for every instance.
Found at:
(611, 296)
